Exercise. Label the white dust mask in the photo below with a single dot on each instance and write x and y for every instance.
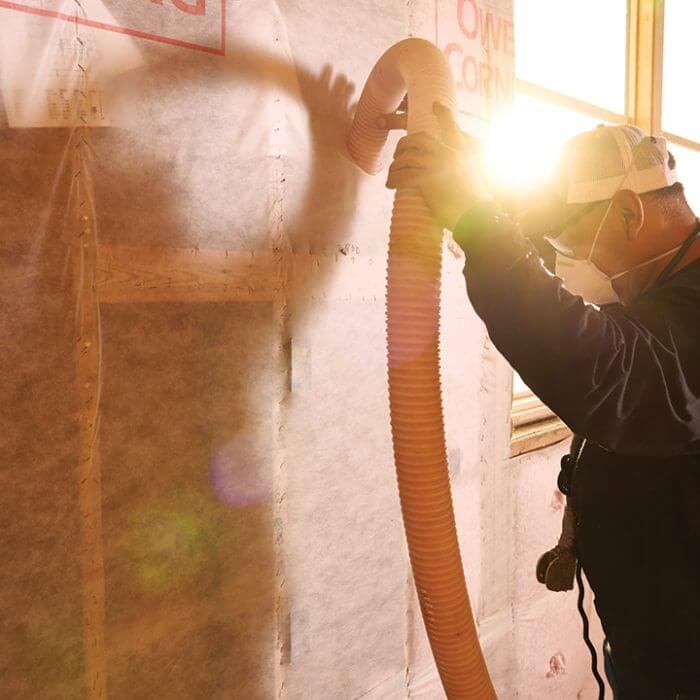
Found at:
(584, 278)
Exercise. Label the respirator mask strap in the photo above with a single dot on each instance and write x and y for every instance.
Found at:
(682, 250)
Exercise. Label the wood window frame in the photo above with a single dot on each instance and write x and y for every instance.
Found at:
(533, 425)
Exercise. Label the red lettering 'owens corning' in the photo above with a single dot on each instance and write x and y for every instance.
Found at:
(193, 7)
(495, 32)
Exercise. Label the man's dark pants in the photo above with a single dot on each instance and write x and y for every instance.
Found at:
(627, 686)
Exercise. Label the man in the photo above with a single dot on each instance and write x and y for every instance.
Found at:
(623, 371)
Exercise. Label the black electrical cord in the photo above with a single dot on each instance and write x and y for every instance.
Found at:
(586, 638)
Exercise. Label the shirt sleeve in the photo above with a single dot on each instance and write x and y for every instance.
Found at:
(625, 377)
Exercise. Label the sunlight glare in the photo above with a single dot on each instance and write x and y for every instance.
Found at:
(520, 150)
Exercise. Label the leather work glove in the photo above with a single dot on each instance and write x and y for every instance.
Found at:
(557, 567)
(445, 170)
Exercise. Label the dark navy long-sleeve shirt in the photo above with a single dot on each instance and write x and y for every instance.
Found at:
(627, 379)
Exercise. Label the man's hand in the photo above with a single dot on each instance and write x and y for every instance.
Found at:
(444, 170)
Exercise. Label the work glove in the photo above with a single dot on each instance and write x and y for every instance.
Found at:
(445, 170)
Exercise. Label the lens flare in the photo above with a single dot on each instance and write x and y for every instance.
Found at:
(521, 148)
(170, 548)
(241, 472)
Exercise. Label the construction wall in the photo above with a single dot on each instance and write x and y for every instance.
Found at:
(197, 496)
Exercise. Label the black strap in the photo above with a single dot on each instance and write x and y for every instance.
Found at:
(679, 255)
(586, 637)
(568, 464)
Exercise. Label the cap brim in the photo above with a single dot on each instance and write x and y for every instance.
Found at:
(545, 215)
(559, 245)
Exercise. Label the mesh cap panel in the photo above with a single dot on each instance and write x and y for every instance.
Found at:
(599, 162)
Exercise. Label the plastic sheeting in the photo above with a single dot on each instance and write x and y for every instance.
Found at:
(197, 497)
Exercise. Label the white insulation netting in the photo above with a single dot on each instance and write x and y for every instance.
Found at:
(197, 495)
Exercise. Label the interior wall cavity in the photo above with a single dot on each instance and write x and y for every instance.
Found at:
(198, 497)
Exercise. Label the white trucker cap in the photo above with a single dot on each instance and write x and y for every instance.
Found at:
(600, 162)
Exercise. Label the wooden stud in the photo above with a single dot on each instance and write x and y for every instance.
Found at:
(87, 354)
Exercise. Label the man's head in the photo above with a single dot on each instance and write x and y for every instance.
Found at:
(615, 203)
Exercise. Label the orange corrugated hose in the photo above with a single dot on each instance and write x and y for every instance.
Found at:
(417, 67)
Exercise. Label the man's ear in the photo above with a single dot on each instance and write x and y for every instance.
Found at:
(632, 210)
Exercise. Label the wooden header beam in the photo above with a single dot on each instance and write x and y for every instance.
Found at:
(127, 274)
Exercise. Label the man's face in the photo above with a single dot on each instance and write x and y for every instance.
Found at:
(574, 233)
(612, 251)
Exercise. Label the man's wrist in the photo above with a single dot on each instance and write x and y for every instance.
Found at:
(488, 235)
(482, 214)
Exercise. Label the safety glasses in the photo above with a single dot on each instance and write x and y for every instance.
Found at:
(558, 241)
